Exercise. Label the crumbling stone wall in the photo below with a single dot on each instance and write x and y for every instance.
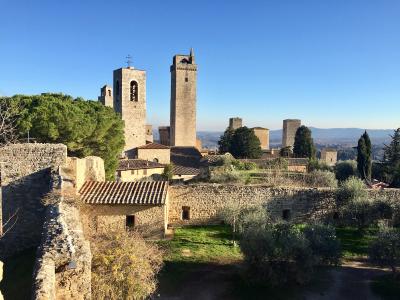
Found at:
(63, 265)
(26, 175)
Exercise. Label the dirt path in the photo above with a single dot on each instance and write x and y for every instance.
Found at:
(350, 281)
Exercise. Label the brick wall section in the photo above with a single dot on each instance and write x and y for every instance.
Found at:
(26, 177)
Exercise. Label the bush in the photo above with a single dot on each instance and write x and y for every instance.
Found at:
(124, 266)
(319, 178)
(245, 165)
(226, 176)
(277, 253)
(364, 212)
(315, 164)
(385, 250)
(346, 169)
(323, 243)
(168, 172)
(352, 189)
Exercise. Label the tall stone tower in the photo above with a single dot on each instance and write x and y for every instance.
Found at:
(290, 127)
(235, 123)
(130, 102)
(183, 100)
(106, 97)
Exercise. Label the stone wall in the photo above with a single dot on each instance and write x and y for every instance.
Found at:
(63, 265)
(26, 175)
(206, 201)
(151, 221)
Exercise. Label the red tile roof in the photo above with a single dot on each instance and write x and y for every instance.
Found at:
(112, 192)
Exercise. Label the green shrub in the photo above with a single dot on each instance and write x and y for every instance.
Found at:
(315, 164)
(352, 189)
(385, 249)
(277, 253)
(324, 244)
(319, 178)
(346, 169)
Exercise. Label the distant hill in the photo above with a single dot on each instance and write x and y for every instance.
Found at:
(323, 136)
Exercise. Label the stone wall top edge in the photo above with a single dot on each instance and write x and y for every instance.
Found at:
(35, 145)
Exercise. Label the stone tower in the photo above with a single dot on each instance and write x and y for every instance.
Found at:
(235, 123)
(106, 97)
(290, 127)
(130, 102)
(263, 136)
(183, 100)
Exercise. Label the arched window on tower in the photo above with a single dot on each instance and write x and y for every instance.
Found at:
(117, 88)
(109, 92)
(134, 91)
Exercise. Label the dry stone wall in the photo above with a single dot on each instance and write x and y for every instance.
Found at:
(206, 201)
(26, 176)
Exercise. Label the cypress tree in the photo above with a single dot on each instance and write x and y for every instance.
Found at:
(364, 156)
(303, 143)
(391, 160)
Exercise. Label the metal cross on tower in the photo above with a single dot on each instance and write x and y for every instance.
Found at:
(129, 60)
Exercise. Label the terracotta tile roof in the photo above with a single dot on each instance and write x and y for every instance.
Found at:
(186, 157)
(137, 164)
(153, 146)
(112, 192)
(181, 170)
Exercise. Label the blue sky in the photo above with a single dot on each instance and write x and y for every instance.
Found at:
(330, 63)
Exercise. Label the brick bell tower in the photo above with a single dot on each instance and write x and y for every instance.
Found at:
(129, 99)
(183, 100)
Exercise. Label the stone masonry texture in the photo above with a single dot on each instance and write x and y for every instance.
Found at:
(133, 112)
(26, 177)
(290, 127)
(183, 101)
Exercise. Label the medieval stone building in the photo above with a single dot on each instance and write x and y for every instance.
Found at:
(235, 123)
(183, 100)
(329, 156)
(130, 101)
(290, 127)
(106, 97)
(263, 136)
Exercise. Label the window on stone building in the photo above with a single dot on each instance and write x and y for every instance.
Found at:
(186, 79)
(155, 160)
(286, 214)
(185, 213)
(134, 91)
(130, 222)
(109, 92)
(133, 172)
(145, 172)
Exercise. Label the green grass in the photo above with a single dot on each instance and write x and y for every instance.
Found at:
(355, 243)
(202, 244)
(17, 280)
(386, 287)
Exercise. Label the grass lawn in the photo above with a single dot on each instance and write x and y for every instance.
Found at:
(355, 243)
(17, 280)
(202, 244)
